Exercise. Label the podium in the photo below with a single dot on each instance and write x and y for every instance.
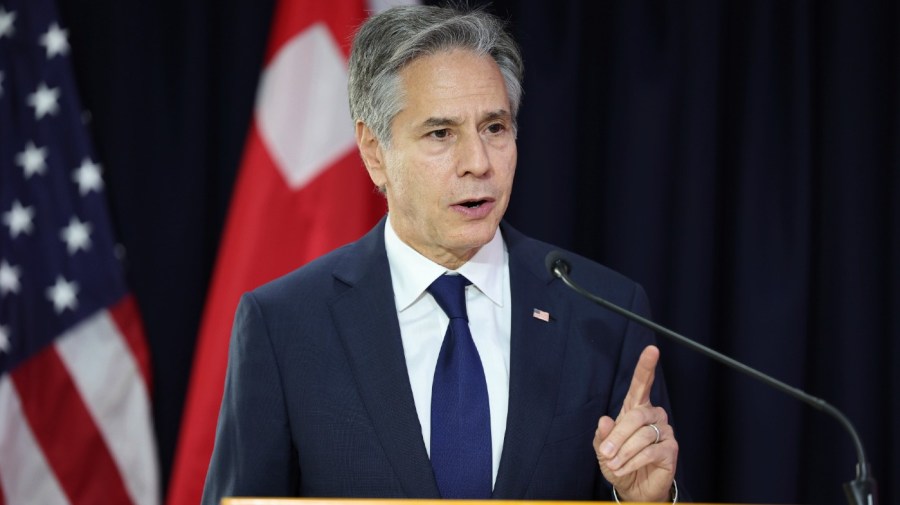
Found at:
(399, 501)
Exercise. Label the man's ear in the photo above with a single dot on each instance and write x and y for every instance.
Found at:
(371, 153)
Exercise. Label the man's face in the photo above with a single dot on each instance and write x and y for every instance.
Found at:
(448, 173)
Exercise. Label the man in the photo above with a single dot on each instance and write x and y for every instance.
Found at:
(355, 376)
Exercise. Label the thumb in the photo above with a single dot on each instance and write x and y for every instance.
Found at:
(604, 427)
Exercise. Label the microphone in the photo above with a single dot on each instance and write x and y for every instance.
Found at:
(860, 491)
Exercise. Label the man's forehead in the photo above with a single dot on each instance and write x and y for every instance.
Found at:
(451, 88)
(436, 69)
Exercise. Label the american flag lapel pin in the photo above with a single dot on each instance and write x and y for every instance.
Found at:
(542, 315)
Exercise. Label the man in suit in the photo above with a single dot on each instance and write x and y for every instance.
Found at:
(437, 356)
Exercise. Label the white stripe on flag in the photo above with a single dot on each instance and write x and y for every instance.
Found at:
(113, 391)
(24, 472)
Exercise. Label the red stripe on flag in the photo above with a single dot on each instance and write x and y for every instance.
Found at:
(290, 18)
(128, 321)
(66, 432)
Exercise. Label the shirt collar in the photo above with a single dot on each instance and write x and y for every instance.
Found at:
(412, 273)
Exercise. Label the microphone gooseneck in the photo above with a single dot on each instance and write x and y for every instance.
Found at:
(860, 491)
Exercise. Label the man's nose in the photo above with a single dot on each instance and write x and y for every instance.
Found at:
(474, 158)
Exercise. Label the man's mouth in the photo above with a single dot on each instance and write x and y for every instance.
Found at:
(475, 208)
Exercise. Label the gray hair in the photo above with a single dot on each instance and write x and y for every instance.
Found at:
(389, 41)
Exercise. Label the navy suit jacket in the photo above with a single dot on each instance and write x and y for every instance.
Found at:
(318, 402)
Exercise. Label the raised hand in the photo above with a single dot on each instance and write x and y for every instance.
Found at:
(637, 451)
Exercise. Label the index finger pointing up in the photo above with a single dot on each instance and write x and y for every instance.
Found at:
(642, 380)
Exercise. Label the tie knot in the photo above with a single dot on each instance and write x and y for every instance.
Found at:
(450, 293)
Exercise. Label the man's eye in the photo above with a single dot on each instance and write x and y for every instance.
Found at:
(440, 134)
(496, 128)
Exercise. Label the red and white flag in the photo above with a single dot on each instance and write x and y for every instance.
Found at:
(301, 192)
(75, 421)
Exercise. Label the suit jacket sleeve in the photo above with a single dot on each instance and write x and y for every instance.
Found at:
(251, 457)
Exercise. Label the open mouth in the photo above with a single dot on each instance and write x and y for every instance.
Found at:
(475, 207)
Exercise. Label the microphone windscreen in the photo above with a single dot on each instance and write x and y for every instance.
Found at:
(555, 260)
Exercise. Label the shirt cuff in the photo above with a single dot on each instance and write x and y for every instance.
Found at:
(673, 493)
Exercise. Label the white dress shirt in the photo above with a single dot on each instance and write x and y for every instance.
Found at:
(423, 324)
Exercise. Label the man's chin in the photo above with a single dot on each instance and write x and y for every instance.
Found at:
(476, 235)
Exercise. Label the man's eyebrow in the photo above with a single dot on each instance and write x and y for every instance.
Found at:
(497, 114)
(440, 121)
(433, 122)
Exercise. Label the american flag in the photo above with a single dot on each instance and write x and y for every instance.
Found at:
(75, 424)
(540, 314)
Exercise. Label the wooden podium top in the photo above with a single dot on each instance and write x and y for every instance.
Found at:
(392, 501)
(384, 501)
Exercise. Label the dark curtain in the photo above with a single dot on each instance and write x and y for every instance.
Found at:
(741, 160)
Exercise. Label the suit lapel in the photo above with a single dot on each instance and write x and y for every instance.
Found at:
(536, 355)
(366, 319)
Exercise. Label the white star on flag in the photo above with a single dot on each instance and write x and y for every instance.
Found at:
(19, 219)
(45, 101)
(9, 278)
(33, 160)
(87, 176)
(56, 41)
(63, 294)
(4, 338)
(77, 236)
(6, 23)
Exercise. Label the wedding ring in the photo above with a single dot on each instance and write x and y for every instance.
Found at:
(656, 429)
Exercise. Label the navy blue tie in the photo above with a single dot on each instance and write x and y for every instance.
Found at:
(460, 413)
